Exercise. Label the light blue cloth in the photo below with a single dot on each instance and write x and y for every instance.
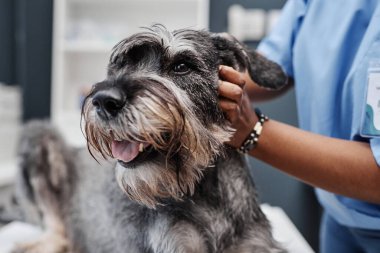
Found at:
(335, 238)
(326, 45)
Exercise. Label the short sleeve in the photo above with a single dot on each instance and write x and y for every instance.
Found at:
(278, 45)
(375, 147)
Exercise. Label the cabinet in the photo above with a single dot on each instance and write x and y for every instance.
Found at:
(83, 36)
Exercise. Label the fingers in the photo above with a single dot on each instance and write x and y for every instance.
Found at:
(231, 84)
(230, 91)
(235, 103)
(229, 74)
(231, 109)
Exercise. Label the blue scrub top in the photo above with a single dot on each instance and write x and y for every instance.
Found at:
(326, 46)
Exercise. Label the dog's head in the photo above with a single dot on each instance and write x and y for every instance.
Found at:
(157, 111)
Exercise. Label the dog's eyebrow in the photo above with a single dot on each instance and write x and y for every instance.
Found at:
(186, 55)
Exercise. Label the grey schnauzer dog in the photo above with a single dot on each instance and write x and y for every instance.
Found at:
(169, 184)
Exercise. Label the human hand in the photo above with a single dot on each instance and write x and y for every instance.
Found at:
(235, 103)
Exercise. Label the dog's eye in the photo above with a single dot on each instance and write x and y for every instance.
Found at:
(181, 68)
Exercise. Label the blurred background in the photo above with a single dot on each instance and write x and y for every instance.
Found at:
(51, 52)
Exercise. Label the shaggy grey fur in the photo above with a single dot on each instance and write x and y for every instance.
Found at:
(186, 192)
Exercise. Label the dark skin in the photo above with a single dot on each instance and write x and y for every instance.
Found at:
(340, 166)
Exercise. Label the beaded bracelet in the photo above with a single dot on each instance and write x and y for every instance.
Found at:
(253, 137)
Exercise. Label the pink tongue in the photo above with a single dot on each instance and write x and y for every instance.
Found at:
(125, 151)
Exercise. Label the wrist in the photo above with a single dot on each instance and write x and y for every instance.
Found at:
(243, 128)
(252, 139)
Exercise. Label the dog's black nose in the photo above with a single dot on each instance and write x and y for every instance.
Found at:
(108, 103)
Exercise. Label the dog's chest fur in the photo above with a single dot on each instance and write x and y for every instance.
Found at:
(224, 207)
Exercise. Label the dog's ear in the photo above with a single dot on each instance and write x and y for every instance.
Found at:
(235, 54)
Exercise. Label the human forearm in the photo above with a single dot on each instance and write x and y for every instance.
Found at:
(343, 167)
(340, 166)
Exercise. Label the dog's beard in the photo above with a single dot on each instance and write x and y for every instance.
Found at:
(163, 117)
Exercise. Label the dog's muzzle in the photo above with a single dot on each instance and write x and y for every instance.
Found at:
(108, 103)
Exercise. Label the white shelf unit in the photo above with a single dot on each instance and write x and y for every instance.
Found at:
(84, 34)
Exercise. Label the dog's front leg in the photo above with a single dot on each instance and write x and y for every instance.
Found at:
(47, 243)
(43, 186)
(54, 239)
